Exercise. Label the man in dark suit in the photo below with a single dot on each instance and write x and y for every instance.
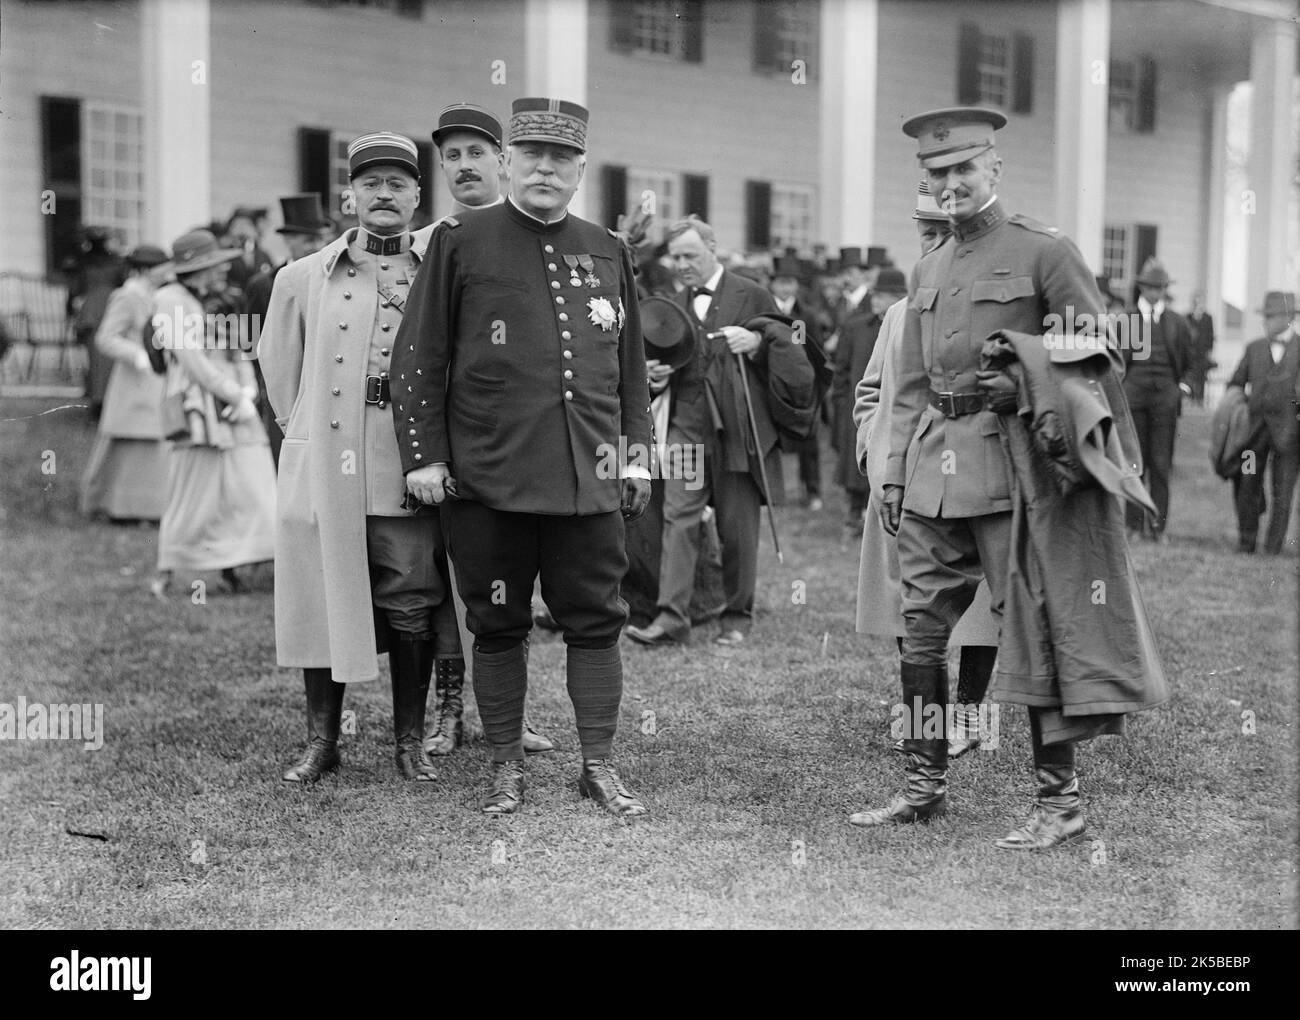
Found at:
(1158, 373)
(1268, 372)
(520, 392)
(709, 419)
(1200, 322)
(785, 292)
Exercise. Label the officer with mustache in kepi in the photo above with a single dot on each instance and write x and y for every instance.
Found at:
(520, 365)
(468, 138)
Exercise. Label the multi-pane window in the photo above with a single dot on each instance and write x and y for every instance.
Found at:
(792, 216)
(655, 27)
(113, 182)
(1114, 254)
(993, 70)
(785, 32)
(339, 180)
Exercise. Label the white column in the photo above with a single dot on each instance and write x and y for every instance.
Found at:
(1272, 66)
(176, 53)
(849, 38)
(555, 47)
(1082, 112)
(1212, 242)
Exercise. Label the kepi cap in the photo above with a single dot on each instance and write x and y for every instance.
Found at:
(953, 135)
(383, 147)
(926, 207)
(467, 117)
(557, 121)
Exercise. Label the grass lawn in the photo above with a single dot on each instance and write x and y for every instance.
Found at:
(754, 760)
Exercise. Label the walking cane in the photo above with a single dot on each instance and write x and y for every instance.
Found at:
(758, 452)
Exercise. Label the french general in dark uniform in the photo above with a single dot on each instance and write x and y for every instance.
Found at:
(519, 385)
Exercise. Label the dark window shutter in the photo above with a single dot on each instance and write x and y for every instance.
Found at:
(696, 188)
(314, 164)
(758, 215)
(424, 159)
(61, 173)
(765, 28)
(1022, 70)
(1144, 246)
(693, 31)
(410, 8)
(968, 70)
(1144, 119)
(621, 20)
(613, 193)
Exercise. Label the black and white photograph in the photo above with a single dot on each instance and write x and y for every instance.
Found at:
(654, 465)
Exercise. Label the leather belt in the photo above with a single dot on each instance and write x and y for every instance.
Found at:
(955, 405)
(377, 391)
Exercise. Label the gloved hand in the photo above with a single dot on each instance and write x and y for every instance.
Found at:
(891, 509)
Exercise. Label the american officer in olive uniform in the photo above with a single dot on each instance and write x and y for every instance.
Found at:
(519, 367)
(947, 484)
(355, 570)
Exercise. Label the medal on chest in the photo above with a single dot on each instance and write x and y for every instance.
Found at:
(572, 262)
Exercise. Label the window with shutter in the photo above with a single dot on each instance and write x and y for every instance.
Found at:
(673, 29)
(696, 189)
(995, 70)
(783, 33)
(791, 218)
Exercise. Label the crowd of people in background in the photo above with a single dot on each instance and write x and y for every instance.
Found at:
(841, 300)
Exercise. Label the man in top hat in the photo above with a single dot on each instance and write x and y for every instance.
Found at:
(306, 229)
(355, 568)
(468, 138)
(709, 417)
(519, 381)
(1268, 372)
(947, 480)
(243, 232)
(1159, 367)
(786, 274)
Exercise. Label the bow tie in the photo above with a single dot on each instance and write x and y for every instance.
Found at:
(701, 292)
(384, 245)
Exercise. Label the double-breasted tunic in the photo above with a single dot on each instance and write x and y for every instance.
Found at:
(532, 401)
(327, 328)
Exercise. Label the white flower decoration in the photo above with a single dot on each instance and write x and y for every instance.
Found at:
(601, 313)
(621, 315)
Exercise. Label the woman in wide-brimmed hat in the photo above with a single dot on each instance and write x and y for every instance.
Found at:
(221, 486)
(126, 478)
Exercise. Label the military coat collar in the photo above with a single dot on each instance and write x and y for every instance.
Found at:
(339, 246)
(981, 223)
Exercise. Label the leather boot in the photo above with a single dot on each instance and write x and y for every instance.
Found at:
(410, 661)
(924, 795)
(1057, 816)
(324, 714)
(448, 730)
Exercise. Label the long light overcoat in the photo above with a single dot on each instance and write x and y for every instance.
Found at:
(314, 340)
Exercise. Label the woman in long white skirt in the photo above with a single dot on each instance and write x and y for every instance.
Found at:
(221, 481)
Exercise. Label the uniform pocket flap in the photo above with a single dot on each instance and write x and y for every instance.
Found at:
(924, 299)
(1010, 289)
(989, 424)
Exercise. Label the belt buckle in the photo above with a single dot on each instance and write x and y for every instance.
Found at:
(373, 389)
(948, 404)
